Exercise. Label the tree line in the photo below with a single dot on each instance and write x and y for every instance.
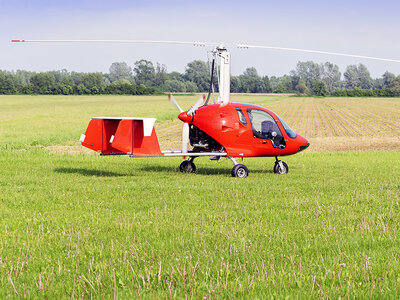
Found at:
(144, 77)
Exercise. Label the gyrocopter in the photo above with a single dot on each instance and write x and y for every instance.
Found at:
(214, 130)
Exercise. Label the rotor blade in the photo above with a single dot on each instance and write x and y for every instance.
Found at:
(185, 137)
(116, 41)
(243, 46)
(171, 98)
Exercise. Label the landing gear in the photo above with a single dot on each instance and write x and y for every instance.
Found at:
(239, 170)
(187, 166)
(280, 167)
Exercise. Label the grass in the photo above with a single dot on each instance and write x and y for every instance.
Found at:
(85, 226)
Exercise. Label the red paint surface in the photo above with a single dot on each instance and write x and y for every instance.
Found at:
(128, 138)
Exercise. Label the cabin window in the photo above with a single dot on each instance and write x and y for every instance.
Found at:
(265, 127)
(288, 130)
(242, 118)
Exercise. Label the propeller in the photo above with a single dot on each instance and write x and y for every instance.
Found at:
(191, 112)
(173, 101)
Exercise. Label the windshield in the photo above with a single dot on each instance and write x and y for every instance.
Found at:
(288, 130)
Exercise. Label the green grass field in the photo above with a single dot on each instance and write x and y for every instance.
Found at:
(81, 226)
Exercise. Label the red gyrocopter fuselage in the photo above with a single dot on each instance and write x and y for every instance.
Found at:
(242, 130)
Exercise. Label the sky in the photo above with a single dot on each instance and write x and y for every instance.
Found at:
(369, 28)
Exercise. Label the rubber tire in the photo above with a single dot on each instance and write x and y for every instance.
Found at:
(240, 171)
(187, 166)
(277, 168)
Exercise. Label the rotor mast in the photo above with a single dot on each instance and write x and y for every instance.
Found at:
(224, 75)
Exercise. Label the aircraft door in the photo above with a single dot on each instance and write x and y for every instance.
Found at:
(265, 128)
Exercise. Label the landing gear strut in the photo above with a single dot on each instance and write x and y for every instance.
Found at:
(239, 170)
(188, 166)
(280, 167)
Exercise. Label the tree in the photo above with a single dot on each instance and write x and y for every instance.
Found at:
(319, 88)
(80, 89)
(121, 87)
(395, 86)
(119, 71)
(365, 77)
(308, 71)
(251, 82)
(302, 88)
(387, 79)
(377, 83)
(58, 74)
(93, 82)
(357, 76)
(351, 77)
(284, 84)
(62, 89)
(76, 77)
(175, 76)
(8, 83)
(331, 76)
(42, 82)
(198, 73)
(22, 76)
(144, 72)
(26, 89)
(174, 86)
(160, 75)
(235, 84)
(191, 87)
(266, 84)
(67, 80)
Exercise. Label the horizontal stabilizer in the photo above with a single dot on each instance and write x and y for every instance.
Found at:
(122, 135)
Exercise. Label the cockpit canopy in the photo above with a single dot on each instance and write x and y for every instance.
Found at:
(265, 127)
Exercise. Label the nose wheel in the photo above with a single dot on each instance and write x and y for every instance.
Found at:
(280, 167)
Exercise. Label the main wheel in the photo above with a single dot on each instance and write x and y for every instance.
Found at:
(240, 170)
(278, 169)
(187, 166)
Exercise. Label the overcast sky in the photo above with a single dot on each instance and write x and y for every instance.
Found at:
(369, 28)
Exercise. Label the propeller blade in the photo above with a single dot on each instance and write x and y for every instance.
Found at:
(185, 137)
(196, 105)
(173, 101)
(199, 102)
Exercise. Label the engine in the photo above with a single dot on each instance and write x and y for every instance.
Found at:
(202, 141)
